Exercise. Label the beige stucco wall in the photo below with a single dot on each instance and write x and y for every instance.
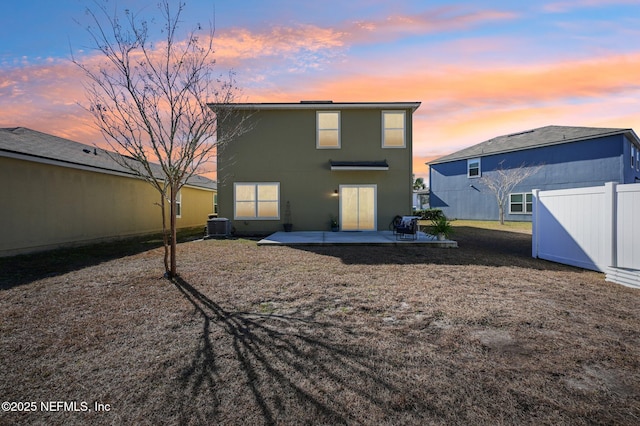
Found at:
(281, 147)
(45, 206)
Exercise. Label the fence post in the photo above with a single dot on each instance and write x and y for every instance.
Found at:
(534, 223)
(611, 223)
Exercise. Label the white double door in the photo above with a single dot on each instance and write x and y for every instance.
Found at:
(358, 207)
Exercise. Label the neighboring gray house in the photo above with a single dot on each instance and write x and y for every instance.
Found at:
(571, 157)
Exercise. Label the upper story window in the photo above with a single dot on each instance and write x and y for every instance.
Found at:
(393, 129)
(328, 129)
(473, 168)
(633, 156)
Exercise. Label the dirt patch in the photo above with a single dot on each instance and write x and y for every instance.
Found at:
(483, 334)
(595, 378)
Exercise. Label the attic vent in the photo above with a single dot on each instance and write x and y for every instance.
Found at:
(520, 133)
(316, 102)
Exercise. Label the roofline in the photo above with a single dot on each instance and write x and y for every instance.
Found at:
(316, 105)
(86, 167)
(64, 163)
(627, 132)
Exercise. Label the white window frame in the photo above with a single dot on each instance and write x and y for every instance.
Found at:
(633, 157)
(404, 129)
(338, 130)
(524, 203)
(471, 161)
(256, 185)
(178, 203)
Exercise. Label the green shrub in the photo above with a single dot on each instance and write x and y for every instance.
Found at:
(429, 214)
(441, 225)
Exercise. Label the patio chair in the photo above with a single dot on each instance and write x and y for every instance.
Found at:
(406, 228)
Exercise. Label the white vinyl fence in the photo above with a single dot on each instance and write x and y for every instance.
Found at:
(593, 228)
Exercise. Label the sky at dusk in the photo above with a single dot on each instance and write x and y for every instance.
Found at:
(480, 68)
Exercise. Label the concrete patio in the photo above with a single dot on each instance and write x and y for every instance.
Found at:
(309, 238)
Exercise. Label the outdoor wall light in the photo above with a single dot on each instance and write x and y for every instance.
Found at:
(335, 193)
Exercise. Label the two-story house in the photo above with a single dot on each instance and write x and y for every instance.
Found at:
(312, 162)
(570, 157)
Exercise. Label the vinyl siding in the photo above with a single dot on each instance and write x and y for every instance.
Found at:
(572, 165)
(281, 147)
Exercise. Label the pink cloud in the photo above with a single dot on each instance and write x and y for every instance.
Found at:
(565, 6)
(44, 97)
(434, 20)
(239, 45)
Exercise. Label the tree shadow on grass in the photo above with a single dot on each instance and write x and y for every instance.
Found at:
(280, 365)
(26, 268)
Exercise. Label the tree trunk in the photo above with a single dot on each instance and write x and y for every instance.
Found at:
(501, 213)
(172, 252)
(165, 234)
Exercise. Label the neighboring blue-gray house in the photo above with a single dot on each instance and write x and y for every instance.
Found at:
(571, 157)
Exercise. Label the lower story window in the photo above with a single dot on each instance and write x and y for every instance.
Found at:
(521, 203)
(256, 200)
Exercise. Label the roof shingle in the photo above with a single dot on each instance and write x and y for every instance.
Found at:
(31, 143)
(543, 136)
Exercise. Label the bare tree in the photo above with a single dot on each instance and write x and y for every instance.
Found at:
(502, 181)
(149, 96)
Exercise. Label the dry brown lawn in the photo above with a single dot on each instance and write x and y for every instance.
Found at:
(483, 334)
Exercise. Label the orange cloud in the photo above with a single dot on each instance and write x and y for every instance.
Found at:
(463, 84)
(460, 107)
(465, 104)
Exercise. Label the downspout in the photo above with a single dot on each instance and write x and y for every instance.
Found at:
(430, 185)
(534, 224)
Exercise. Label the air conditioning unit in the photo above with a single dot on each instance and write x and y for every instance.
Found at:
(218, 227)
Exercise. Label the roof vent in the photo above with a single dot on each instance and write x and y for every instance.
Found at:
(316, 102)
(520, 133)
(86, 151)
